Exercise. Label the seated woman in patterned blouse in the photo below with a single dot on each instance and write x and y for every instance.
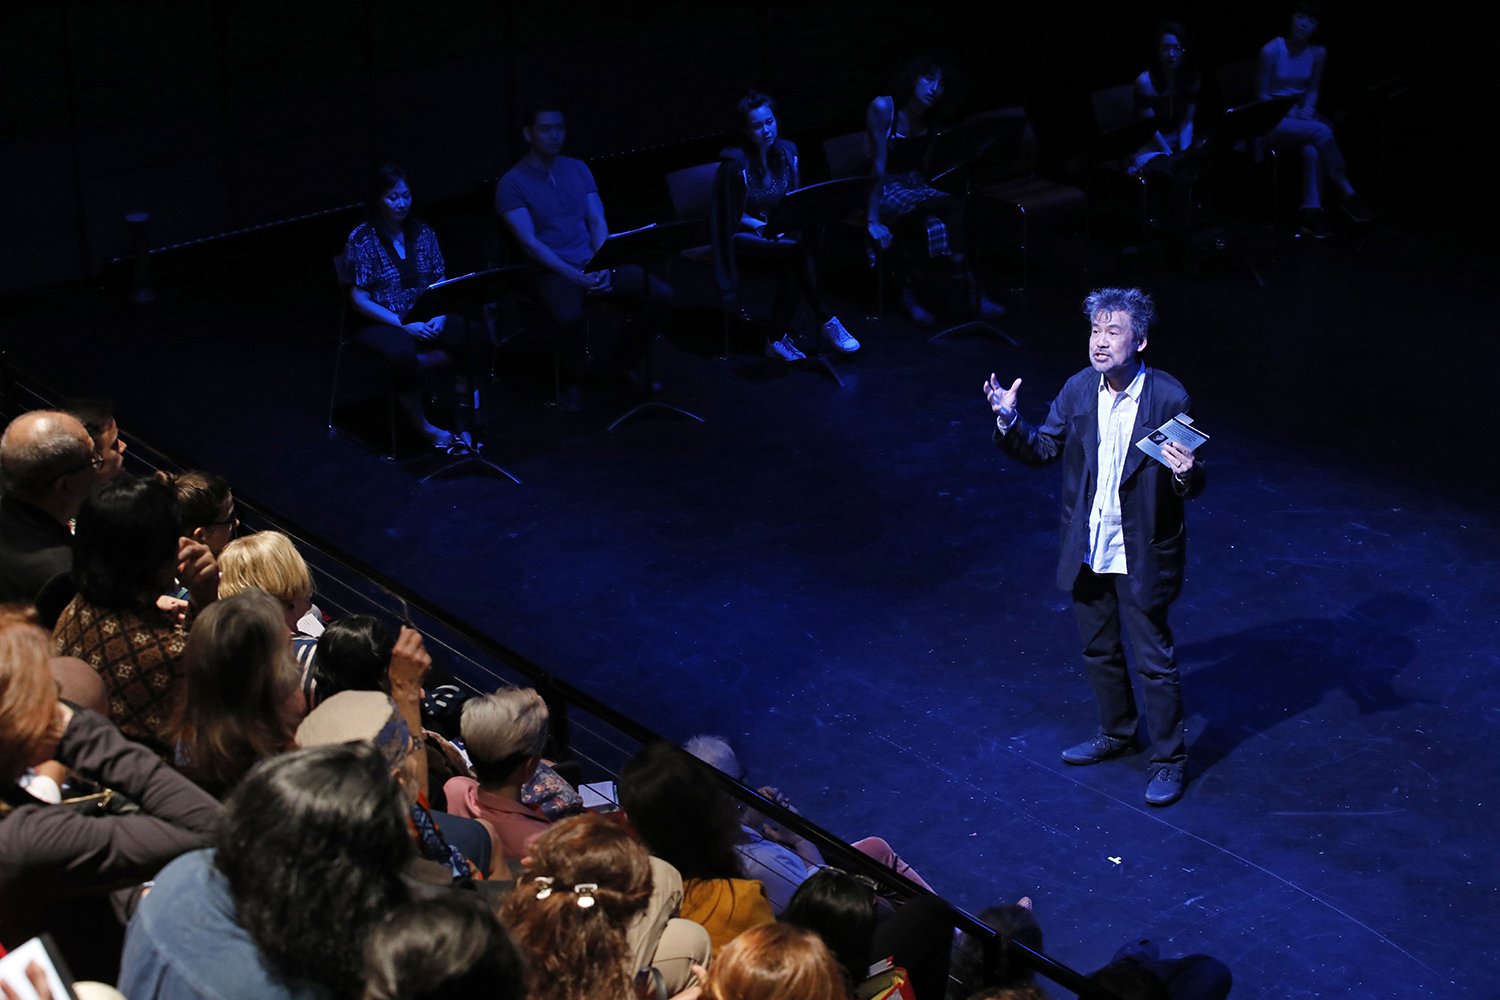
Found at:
(389, 261)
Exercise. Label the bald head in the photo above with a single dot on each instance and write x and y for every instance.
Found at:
(40, 448)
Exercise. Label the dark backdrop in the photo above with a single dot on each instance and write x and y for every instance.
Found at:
(215, 115)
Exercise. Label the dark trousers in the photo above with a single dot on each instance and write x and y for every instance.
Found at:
(649, 297)
(1100, 603)
(467, 344)
(795, 277)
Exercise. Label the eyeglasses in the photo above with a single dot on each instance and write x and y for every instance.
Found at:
(94, 464)
(231, 519)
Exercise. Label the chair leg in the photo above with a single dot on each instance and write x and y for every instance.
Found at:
(390, 412)
(1025, 253)
(333, 397)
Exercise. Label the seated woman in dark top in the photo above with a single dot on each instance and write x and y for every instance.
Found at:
(754, 176)
(1168, 91)
(898, 137)
(389, 261)
(1168, 94)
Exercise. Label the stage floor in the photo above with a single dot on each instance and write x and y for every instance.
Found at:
(855, 587)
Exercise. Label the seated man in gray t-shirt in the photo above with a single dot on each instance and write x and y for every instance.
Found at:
(551, 205)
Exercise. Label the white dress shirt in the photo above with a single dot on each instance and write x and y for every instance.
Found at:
(1116, 421)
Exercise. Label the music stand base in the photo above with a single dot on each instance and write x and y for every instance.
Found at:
(821, 361)
(649, 405)
(463, 463)
(974, 326)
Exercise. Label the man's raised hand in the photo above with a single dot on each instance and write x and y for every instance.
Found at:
(1002, 401)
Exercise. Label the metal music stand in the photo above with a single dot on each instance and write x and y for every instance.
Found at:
(1243, 123)
(956, 153)
(463, 295)
(958, 149)
(811, 208)
(641, 246)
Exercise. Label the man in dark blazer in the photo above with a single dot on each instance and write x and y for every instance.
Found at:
(1123, 532)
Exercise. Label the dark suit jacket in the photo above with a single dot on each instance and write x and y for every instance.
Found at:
(34, 548)
(1151, 503)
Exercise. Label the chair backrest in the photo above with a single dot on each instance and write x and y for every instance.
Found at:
(1008, 159)
(1237, 81)
(692, 190)
(846, 155)
(1113, 106)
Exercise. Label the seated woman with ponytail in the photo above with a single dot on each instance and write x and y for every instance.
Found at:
(754, 176)
(591, 919)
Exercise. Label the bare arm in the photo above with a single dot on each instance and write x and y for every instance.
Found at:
(524, 230)
(374, 311)
(1263, 73)
(410, 663)
(878, 119)
(1314, 85)
(1143, 95)
(593, 209)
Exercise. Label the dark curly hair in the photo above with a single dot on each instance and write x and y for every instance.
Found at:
(576, 951)
(313, 843)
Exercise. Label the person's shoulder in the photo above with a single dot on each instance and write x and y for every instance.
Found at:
(1143, 84)
(787, 146)
(190, 869)
(511, 191)
(1166, 382)
(882, 109)
(515, 176)
(360, 234)
(1274, 47)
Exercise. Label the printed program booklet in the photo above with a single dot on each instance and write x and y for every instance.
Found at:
(1180, 429)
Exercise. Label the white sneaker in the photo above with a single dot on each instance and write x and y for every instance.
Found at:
(837, 337)
(784, 350)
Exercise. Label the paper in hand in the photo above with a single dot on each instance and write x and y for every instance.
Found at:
(1180, 429)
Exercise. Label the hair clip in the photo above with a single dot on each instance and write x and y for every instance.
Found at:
(585, 893)
(544, 883)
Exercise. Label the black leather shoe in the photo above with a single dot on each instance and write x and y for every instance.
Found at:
(1166, 785)
(1098, 750)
